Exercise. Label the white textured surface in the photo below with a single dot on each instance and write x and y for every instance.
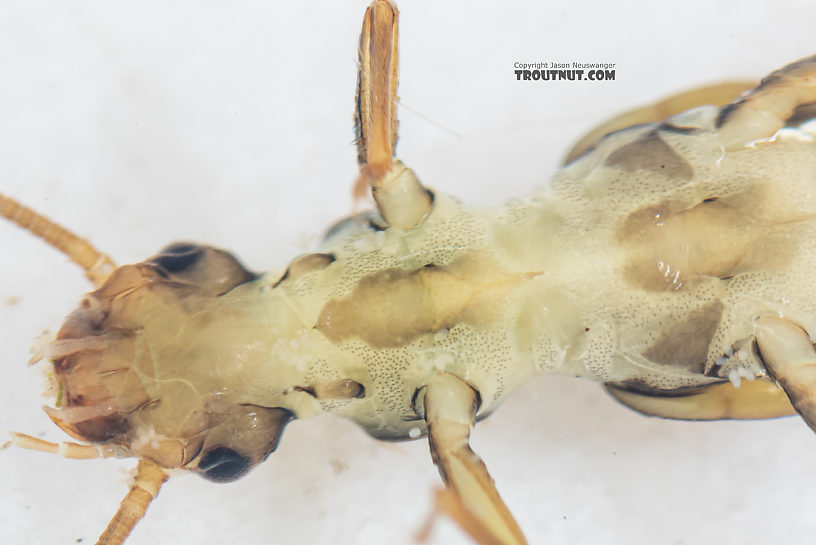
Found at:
(138, 124)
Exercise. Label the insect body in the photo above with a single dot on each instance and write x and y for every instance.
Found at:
(379, 242)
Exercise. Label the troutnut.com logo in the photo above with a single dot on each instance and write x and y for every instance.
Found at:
(561, 71)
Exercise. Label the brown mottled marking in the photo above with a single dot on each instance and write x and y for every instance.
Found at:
(392, 308)
(685, 343)
(801, 114)
(652, 154)
(668, 246)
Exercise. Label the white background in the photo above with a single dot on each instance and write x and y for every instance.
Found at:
(136, 124)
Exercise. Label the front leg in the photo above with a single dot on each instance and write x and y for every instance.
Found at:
(450, 407)
(790, 358)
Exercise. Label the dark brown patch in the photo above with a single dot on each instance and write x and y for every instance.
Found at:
(652, 154)
(669, 244)
(394, 307)
(639, 387)
(223, 465)
(211, 270)
(102, 429)
(802, 113)
(685, 344)
(674, 129)
(178, 256)
(727, 111)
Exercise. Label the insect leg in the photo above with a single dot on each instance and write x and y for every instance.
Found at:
(145, 487)
(768, 107)
(790, 357)
(450, 408)
(759, 398)
(718, 95)
(149, 479)
(400, 197)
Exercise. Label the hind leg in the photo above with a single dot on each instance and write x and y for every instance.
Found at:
(474, 503)
(790, 357)
(718, 95)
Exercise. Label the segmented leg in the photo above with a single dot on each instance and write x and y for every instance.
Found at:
(450, 408)
(400, 197)
(718, 95)
(787, 95)
(752, 400)
(145, 487)
(790, 357)
(769, 106)
(149, 479)
(448, 503)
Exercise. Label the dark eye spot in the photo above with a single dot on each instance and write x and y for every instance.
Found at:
(178, 257)
(222, 465)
